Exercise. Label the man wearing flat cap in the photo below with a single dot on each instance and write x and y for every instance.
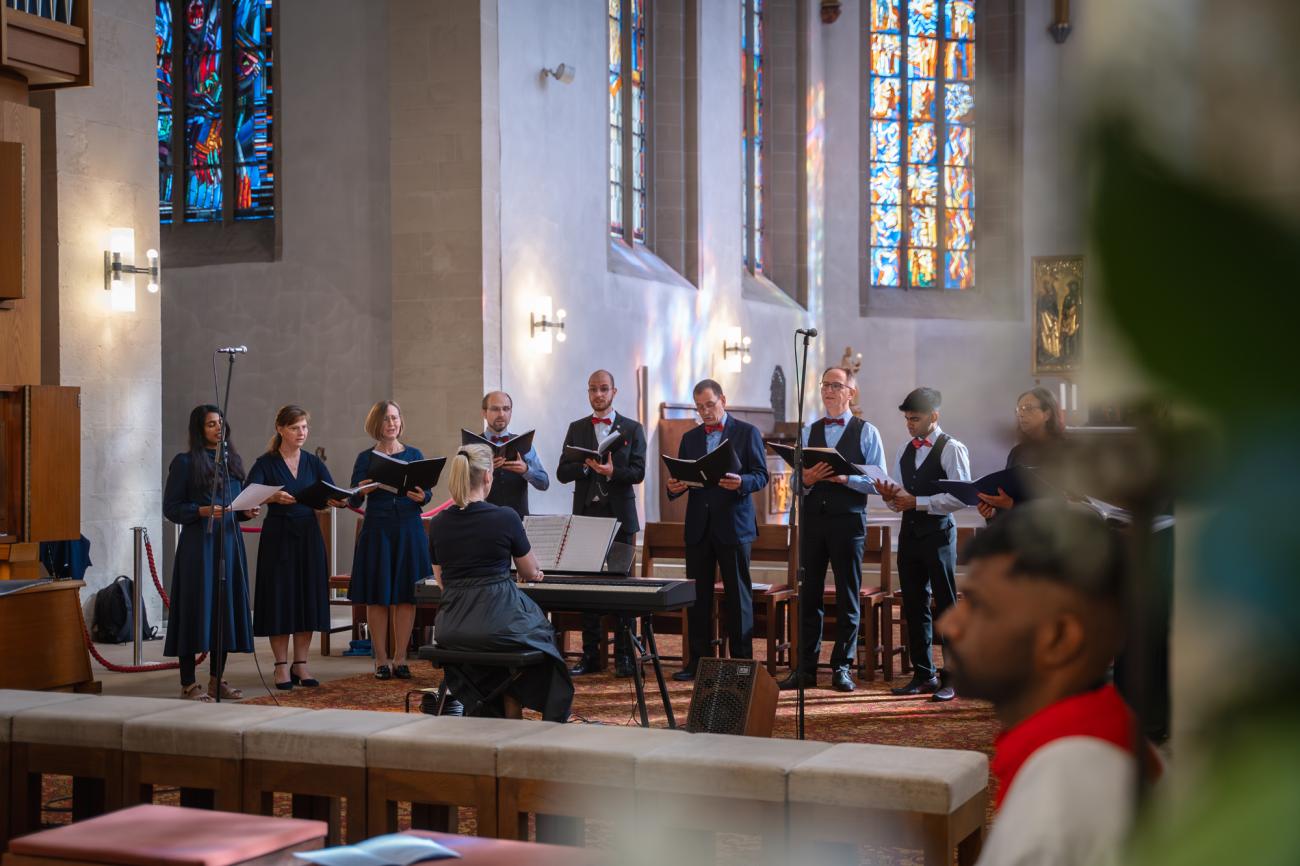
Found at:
(927, 540)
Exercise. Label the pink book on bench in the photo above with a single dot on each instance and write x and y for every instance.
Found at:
(150, 835)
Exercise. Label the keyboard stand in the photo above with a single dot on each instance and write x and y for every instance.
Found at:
(649, 651)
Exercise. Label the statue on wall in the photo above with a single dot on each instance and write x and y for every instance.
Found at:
(852, 361)
(778, 394)
(1058, 314)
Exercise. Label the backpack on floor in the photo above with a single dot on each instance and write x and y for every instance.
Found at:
(112, 614)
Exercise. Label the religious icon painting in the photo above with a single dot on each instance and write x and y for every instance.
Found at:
(1058, 314)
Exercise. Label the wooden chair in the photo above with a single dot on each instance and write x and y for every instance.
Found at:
(196, 747)
(852, 794)
(438, 764)
(891, 610)
(341, 582)
(771, 604)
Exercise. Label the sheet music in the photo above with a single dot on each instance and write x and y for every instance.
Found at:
(587, 543)
(546, 535)
(252, 496)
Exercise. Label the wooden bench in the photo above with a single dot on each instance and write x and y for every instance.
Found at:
(13, 702)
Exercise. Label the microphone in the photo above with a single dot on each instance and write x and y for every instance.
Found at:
(807, 332)
(232, 350)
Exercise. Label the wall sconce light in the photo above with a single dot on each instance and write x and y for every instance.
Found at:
(121, 244)
(1060, 27)
(735, 350)
(563, 73)
(540, 325)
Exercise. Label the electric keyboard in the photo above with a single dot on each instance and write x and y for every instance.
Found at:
(628, 595)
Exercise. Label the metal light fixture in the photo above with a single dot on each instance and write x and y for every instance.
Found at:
(540, 325)
(1060, 27)
(563, 73)
(735, 350)
(119, 275)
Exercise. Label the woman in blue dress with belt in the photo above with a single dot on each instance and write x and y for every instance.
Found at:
(292, 592)
(392, 551)
(188, 502)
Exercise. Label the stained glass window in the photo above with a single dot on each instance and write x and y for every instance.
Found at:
(219, 167)
(921, 107)
(627, 100)
(753, 63)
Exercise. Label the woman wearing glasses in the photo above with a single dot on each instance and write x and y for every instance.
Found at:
(1041, 428)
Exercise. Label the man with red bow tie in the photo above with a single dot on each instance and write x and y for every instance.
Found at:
(927, 540)
(720, 526)
(834, 532)
(604, 489)
(510, 478)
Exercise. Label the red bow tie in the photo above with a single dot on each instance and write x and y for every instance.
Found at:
(497, 440)
(920, 443)
(595, 420)
(838, 421)
(712, 428)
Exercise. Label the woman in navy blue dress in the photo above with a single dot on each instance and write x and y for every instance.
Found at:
(188, 502)
(291, 595)
(482, 610)
(392, 552)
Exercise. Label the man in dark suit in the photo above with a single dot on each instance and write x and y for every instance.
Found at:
(720, 526)
(604, 489)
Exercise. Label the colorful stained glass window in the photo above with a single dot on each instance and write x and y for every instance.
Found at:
(920, 139)
(627, 101)
(753, 71)
(220, 160)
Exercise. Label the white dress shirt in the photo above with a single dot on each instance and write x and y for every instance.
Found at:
(956, 465)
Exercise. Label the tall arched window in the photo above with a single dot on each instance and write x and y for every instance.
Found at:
(921, 107)
(627, 101)
(216, 160)
(753, 67)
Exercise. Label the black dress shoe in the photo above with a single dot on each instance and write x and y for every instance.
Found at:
(918, 686)
(402, 672)
(587, 666)
(841, 681)
(946, 692)
(792, 682)
(685, 675)
(383, 672)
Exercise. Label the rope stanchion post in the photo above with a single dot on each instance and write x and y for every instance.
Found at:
(137, 614)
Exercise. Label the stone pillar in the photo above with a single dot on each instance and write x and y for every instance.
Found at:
(445, 178)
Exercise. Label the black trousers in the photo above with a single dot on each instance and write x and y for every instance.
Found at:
(731, 562)
(835, 540)
(591, 631)
(188, 669)
(926, 561)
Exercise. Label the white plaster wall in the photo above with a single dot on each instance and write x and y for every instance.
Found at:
(553, 239)
(980, 366)
(107, 176)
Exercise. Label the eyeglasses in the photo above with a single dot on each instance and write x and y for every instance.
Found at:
(601, 390)
(834, 386)
(706, 407)
(1025, 410)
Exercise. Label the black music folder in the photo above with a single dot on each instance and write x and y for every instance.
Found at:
(397, 476)
(603, 446)
(814, 456)
(1011, 481)
(513, 449)
(318, 495)
(705, 471)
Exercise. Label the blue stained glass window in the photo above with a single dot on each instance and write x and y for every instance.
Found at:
(920, 138)
(753, 72)
(210, 136)
(628, 121)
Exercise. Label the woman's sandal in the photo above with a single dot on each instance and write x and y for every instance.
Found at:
(194, 692)
(308, 682)
(383, 672)
(287, 684)
(228, 692)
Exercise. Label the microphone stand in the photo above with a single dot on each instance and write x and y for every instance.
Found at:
(220, 482)
(802, 370)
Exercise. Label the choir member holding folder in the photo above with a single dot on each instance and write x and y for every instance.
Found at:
(188, 502)
(1042, 430)
(515, 464)
(471, 546)
(291, 596)
(834, 531)
(604, 458)
(720, 522)
(392, 552)
(927, 539)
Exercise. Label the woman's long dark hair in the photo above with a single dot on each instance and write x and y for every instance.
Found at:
(201, 463)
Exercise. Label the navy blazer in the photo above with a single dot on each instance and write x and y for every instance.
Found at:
(726, 515)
